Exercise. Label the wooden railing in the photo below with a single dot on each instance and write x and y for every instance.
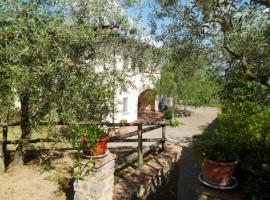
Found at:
(140, 150)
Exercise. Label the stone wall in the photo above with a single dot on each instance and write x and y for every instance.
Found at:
(152, 180)
(98, 183)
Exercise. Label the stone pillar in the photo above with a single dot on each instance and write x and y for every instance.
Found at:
(98, 183)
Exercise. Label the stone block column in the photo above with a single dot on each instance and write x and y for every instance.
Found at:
(98, 183)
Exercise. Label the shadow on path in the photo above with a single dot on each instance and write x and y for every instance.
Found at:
(189, 169)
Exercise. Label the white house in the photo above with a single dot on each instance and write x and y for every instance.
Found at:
(139, 95)
(136, 99)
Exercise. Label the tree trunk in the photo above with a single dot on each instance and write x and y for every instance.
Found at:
(2, 160)
(25, 128)
(173, 109)
(3, 145)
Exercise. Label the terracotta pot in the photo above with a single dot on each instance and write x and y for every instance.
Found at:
(218, 173)
(101, 147)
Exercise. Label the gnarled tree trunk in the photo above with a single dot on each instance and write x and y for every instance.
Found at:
(25, 128)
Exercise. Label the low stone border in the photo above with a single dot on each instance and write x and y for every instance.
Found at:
(151, 179)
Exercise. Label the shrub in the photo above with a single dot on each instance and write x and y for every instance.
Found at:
(123, 121)
(173, 123)
(187, 113)
(168, 115)
(218, 146)
(246, 137)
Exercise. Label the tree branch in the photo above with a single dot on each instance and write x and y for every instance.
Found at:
(245, 64)
(263, 2)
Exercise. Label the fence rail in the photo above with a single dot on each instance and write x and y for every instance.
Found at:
(141, 149)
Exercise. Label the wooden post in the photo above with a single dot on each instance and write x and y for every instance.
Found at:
(2, 161)
(140, 146)
(5, 134)
(3, 149)
(163, 136)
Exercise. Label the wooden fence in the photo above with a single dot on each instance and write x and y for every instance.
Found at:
(125, 138)
(141, 150)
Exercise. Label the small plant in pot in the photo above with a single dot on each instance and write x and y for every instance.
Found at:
(220, 151)
(93, 140)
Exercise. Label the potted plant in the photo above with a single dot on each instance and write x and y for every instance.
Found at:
(220, 150)
(93, 140)
(123, 128)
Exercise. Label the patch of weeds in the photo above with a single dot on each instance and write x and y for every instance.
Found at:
(59, 178)
(173, 123)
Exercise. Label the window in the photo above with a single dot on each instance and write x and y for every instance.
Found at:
(125, 105)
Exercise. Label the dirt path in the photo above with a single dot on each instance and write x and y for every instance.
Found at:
(199, 120)
(190, 164)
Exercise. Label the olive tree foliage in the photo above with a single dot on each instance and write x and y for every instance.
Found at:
(47, 53)
(241, 32)
(27, 56)
(184, 76)
(187, 81)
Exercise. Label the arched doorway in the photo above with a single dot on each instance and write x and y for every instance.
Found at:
(147, 101)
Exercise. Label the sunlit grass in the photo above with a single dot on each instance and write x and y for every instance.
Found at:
(42, 132)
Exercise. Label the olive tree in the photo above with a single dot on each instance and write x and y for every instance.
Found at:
(50, 54)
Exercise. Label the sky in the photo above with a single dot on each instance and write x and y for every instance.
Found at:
(144, 13)
(140, 17)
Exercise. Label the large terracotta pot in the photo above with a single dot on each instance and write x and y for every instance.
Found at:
(101, 147)
(218, 173)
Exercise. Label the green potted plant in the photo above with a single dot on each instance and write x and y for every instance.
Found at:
(93, 140)
(221, 153)
(123, 128)
(123, 122)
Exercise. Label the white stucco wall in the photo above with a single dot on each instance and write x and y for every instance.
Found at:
(141, 82)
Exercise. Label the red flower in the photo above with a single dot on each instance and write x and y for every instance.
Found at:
(84, 140)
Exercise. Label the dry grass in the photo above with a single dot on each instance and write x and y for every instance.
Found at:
(35, 183)
(14, 133)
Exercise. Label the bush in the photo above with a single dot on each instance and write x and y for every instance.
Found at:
(123, 121)
(187, 113)
(168, 115)
(218, 146)
(173, 123)
(246, 137)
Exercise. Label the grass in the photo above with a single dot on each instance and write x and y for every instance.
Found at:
(14, 133)
(214, 105)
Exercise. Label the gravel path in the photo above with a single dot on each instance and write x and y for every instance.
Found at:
(190, 165)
